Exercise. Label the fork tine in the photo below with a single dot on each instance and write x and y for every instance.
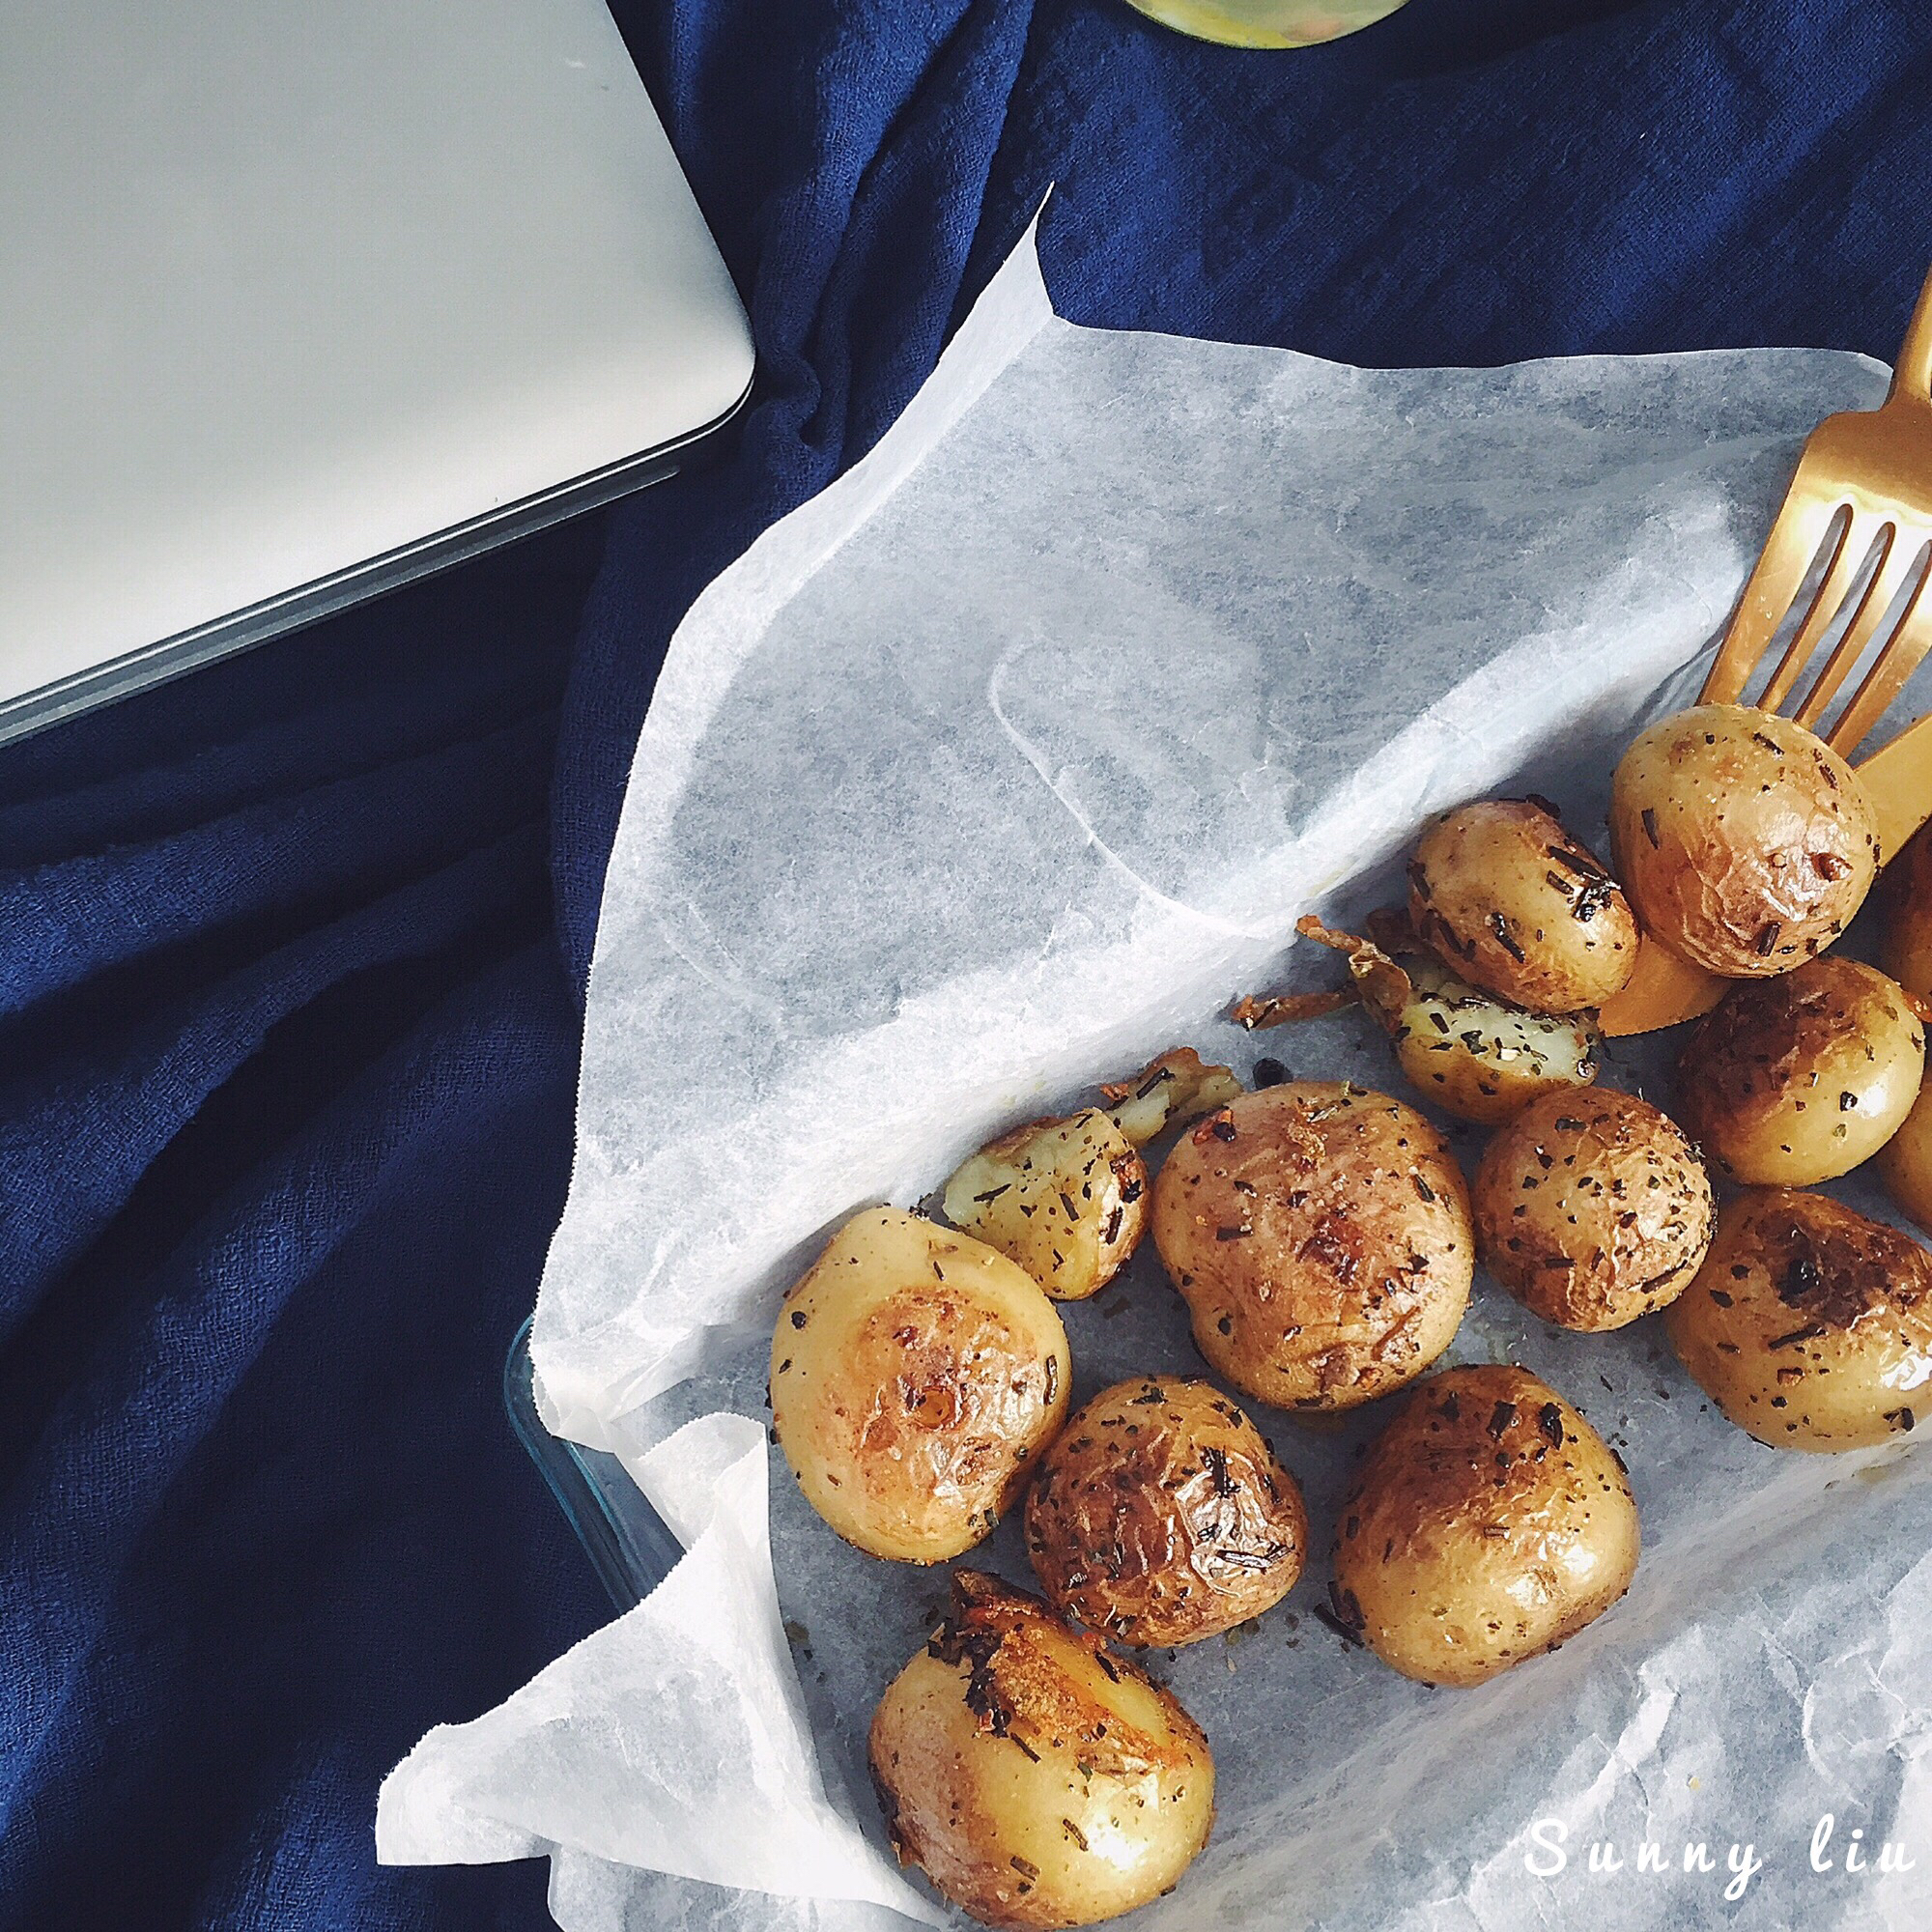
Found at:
(1901, 656)
(1853, 541)
(1768, 592)
(1862, 614)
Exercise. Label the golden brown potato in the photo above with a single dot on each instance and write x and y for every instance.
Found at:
(1797, 1079)
(1592, 1208)
(1905, 1162)
(1907, 953)
(1066, 1199)
(1745, 843)
(1319, 1235)
(1488, 1523)
(1810, 1325)
(1470, 1053)
(1159, 1515)
(916, 1374)
(1518, 907)
(1038, 1780)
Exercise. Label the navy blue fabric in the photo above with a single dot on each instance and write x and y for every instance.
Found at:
(290, 953)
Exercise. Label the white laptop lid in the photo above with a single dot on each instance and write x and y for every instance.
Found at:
(300, 297)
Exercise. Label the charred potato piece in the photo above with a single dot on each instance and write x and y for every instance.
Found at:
(1488, 1523)
(916, 1374)
(1907, 953)
(1036, 1779)
(1810, 1325)
(1159, 1515)
(1798, 1079)
(1320, 1234)
(1592, 1208)
(1515, 906)
(1905, 1162)
(1745, 843)
(1066, 1199)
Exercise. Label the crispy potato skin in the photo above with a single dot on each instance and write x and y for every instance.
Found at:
(1518, 907)
(1592, 1208)
(1907, 953)
(1904, 1162)
(1320, 1234)
(1487, 1523)
(1745, 843)
(1159, 1515)
(1810, 1325)
(1798, 1079)
(1067, 1199)
(1038, 1780)
(916, 1374)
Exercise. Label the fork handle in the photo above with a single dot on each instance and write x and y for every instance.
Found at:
(1912, 373)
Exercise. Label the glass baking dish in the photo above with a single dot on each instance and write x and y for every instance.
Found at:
(627, 1541)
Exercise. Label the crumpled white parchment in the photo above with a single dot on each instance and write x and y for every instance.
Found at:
(997, 768)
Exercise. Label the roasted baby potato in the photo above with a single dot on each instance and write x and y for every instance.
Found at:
(1745, 843)
(1036, 1779)
(1488, 1522)
(916, 1374)
(1810, 1325)
(1905, 1162)
(1159, 1515)
(1470, 1053)
(1177, 1087)
(1797, 1079)
(1319, 1235)
(1066, 1199)
(1592, 1208)
(1907, 953)
(1515, 906)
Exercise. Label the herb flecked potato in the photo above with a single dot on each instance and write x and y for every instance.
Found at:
(1487, 1523)
(1159, 1515)
(1036, 1779)
(1472, 1054)
(915, 1375)
(1515, 906)
(1067, 1199)
(1745, 843)
(1320, 1234)
(1798, 1079)
(1592, 1208)
(1810, 1325)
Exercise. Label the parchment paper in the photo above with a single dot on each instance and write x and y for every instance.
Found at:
(999, 767)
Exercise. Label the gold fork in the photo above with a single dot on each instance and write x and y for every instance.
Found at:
(1877, 465)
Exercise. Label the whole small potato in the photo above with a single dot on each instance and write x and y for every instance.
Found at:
(1907, 953)
(916, 1374)
(1159, 1515)
(1320, 1234)
(1036, 1779)
(1518, 907)
(1798, 1079)
(1592, 1208)
(1810, 1325)
(1066, 1199)
(1745, 843)
(1488, 1522)
(1905, 1162)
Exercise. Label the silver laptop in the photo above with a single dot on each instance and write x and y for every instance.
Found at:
(302, 298)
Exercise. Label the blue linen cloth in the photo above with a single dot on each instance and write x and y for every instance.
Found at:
(291, 950)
